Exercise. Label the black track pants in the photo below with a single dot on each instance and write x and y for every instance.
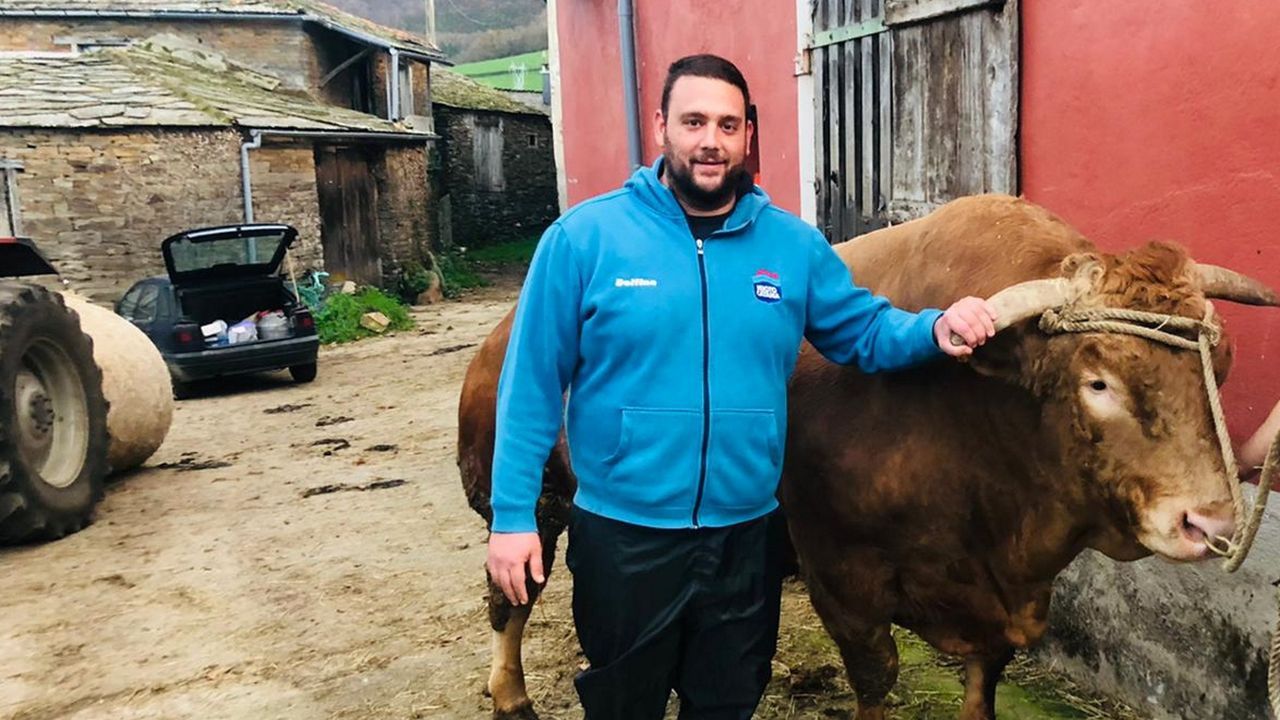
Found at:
(691, 610)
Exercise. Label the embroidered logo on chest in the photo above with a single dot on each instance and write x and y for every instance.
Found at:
(768, 286)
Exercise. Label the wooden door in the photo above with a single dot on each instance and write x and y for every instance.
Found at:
(348, 214)
(916, 103)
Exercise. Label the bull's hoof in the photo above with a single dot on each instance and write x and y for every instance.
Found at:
(521, 711)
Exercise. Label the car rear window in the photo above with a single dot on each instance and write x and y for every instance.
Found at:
(194, 254)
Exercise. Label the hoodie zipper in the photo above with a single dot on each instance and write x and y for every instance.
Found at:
(706, 383)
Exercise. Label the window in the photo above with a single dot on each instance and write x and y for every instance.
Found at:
(406, 90)
(139, 304)
(361, 88)
(203, 251)
(533, 141)
(129, 303)
(10, 220)
(147, 301)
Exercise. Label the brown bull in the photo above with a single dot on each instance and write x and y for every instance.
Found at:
(947, 498)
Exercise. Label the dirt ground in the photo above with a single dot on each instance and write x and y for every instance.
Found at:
(305, 551)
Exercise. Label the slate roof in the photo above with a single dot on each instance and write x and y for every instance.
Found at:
(216, 6)
(152, 85)
(312, 11)
(454, 90)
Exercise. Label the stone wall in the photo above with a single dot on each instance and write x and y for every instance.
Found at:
(284, 191)
(279, 48)
(527, 201)
(404, 203)
(100, 203)
(379, 72)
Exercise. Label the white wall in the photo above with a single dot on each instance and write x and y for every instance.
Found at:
(557, 105)
(807, 123)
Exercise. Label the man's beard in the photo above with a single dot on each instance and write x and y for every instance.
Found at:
(736, 182)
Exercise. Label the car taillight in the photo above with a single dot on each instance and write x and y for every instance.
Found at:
(187, 336)
(304, 322)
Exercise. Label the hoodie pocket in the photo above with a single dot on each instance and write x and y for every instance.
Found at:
(656, 462)
(745, 459)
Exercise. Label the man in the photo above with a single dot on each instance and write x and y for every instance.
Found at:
(671, 311)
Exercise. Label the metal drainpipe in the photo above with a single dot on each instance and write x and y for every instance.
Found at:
(393, 107)
(251, 248)
(245, 183)
(630, 94)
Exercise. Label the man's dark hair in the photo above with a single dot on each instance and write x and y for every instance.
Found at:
(707, 66)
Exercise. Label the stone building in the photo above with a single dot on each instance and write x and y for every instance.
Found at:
(497, 172)
(125, 121)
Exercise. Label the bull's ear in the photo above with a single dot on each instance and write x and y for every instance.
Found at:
(1085, 262)
(1003, 356)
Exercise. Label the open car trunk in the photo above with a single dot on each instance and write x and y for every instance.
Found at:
(229, 274)
(233, 303)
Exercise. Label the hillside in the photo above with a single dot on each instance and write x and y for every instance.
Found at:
(467, 30)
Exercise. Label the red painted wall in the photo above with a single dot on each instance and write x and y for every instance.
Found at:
(762, 43)
(1160, 119)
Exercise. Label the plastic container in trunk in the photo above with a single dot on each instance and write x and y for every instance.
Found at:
(274, 326)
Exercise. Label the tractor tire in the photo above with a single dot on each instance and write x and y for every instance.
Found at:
(53, 418)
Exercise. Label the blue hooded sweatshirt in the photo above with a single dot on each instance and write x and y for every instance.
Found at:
(675, 355)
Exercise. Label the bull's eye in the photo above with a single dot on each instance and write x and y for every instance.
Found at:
(1103, 396)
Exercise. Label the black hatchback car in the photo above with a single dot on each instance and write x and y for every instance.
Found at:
(219, 278)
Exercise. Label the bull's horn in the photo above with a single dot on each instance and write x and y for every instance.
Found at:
(1033, 297)
(1224, 284)
(1030, 299)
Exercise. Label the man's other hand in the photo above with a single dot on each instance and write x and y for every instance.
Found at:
(508, 555)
